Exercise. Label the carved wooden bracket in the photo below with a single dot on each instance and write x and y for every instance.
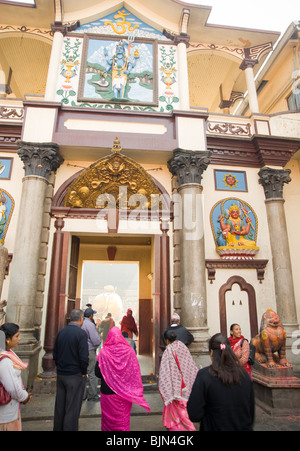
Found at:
(259, 265)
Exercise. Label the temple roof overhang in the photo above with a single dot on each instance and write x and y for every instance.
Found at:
(160, 15)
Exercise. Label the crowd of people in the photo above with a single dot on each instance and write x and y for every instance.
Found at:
(219, 396)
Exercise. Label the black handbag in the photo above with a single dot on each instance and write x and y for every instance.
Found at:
(251, 359)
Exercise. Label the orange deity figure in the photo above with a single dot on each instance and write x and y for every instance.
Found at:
(235, 229)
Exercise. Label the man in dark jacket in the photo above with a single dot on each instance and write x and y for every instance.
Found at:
(181, 332)
(71, 357)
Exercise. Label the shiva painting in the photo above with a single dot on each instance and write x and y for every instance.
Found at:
(234, 225)
(118, 71)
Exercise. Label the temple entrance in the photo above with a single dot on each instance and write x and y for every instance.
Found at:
(114, 274)
(114, 213)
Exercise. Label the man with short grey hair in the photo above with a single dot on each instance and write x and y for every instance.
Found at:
(71, 357)
(181, 332)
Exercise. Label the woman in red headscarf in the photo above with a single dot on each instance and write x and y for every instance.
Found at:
(121, 382)
(128, 324)
(240, 347)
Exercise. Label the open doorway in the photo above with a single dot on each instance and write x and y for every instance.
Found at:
(111, 287)
(114, 283)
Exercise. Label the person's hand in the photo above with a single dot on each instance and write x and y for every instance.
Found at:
(28, 398)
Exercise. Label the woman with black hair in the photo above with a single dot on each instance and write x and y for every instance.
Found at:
(240, 347)
(177, 373)
(10, 377)
(222, 397)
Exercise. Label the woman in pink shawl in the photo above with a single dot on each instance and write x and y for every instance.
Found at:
(177, 374)
(121, 382)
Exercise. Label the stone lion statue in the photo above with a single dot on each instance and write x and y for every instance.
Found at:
(270, 342)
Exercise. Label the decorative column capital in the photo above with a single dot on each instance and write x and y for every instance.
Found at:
(182, 38)
(189, 165)
(272, 181)
(59, 223)
(64, 28)
(253, 54)
(177, 38)
(39, 159)
(247, 62)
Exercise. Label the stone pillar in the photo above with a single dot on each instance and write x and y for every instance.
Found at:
(52, 321)
(247, 66)
(182, 41)
(272, 181)
(189, 166)
(252, 55)
(39, 161)
(54, 63)
(164, 240)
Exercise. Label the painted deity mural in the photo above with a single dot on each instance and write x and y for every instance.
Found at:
(122, 23)
(6, 209)
(234, 225)
(119, 61)
(118, 71)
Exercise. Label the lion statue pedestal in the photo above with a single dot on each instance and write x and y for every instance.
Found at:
(277, 390)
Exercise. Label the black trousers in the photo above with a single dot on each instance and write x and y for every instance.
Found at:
(68, 401)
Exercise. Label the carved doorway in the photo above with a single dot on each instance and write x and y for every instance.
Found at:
(114, 191)
(237, 302)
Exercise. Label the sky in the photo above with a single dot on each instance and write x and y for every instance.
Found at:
(271, 15)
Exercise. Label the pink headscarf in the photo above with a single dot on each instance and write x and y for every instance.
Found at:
(120, 368)
(17, 362)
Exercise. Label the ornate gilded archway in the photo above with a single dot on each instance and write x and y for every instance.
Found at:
(114, 181)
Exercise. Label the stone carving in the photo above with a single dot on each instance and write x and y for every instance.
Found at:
(272, 181)
(2, 312)
(114, 181)
(270, 342)
(226, 128)
(39, 159)
(189, 165)
(4, 262)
